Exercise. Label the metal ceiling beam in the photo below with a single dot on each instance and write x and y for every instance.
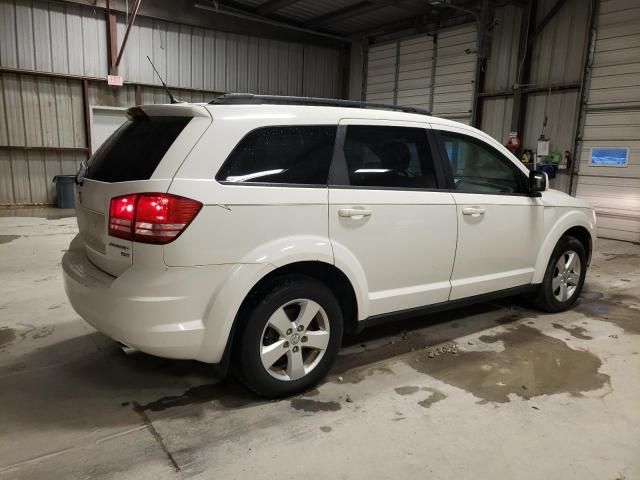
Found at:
(344, 13)
(273, 5)
(549, 16)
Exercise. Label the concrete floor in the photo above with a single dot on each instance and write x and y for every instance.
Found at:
(493, 391)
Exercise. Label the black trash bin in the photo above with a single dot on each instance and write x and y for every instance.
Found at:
(65, 194)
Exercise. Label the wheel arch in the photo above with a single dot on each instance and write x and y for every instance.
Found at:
(574, 223)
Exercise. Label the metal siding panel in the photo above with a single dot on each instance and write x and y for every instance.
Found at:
(42, 37)
(197, 56)
(4, 134)
(58, 30)
(14, 110)
(8, 46)
(263, 65)
(159, 57)
(502, 63)
(559, 49)
(146, 36)
(31, 110)
(561, 110)
(209, 59)
(20, 176)
(221, 62)
(173, 54)
(73, 25)
(37, 177)
(231, 64)
(253, 62)
(48, 116)
(77, 107)
(90, 42)
(242, 66)
(64, 113)
(6, 178)
(185, 56)
(496, 117)
(24, 35)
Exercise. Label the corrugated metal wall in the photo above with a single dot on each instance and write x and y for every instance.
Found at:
(613, 120)
(40, 112)
(557, 58)
(501, 71)
(402, 72)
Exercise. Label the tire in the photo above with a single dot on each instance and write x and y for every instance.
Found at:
(300, 317)
(560, 290)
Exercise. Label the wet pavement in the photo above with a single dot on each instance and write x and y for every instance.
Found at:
(489, 391)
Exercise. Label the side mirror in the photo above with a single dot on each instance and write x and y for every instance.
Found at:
(538, 182)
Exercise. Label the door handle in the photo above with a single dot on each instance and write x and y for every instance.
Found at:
(473, 211)
(355, 213)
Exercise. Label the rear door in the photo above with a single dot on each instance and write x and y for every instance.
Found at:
(388, 215)
(500, 227)
(141, 156)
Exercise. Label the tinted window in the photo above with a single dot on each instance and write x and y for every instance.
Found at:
(479, 168)
(134, 150)
(297, 155)
(379, 156)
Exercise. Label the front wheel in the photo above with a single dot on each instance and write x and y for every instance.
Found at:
(564, 277)
(291, 338)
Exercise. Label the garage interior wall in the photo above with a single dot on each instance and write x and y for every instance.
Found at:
(42, 132)
(612, 119)
(552, 88)
(435, 72)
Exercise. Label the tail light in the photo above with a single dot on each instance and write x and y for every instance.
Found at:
(151, 217)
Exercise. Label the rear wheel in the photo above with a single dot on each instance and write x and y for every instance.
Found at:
(564, 277)
(291, 338)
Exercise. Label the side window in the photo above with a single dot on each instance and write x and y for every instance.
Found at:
(284, 154)
(478, 168)
(379, 156)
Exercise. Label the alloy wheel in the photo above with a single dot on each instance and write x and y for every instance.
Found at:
(294, 340)
(566, 276)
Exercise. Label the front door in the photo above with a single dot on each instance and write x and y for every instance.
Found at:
(387, 216)
(500, 227)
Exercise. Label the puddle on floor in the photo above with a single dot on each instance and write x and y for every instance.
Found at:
(531, 364)
(614, 309)
(436, 396)
(7, 335)
(575, 331)
(308, 405)
(8, 238)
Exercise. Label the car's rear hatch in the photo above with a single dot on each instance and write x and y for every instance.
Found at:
(141, 156)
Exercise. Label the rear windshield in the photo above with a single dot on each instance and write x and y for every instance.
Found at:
(134, 150)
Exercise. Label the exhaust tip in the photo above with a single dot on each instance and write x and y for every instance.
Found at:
(127, 349)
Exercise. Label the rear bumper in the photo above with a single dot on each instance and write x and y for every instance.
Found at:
(157, 311)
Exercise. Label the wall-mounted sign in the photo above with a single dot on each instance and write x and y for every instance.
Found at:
(115, 80)
(609, 157)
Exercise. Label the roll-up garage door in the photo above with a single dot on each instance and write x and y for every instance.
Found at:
(455, 73)
(381, 73)
(609, 170)
(415, 68)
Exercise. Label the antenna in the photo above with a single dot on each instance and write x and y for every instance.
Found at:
(171, 97)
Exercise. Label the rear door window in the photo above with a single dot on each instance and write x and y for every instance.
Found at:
(134, 151)
(299, 155)
(382, 156)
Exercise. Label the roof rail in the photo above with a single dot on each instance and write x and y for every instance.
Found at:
(251, 99)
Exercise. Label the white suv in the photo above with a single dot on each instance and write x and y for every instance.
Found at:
(254, 230)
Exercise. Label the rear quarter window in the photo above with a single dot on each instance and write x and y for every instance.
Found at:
(134, 151)
(283, 155)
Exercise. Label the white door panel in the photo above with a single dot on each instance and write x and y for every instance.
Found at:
(405, 246)
(499, 239)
